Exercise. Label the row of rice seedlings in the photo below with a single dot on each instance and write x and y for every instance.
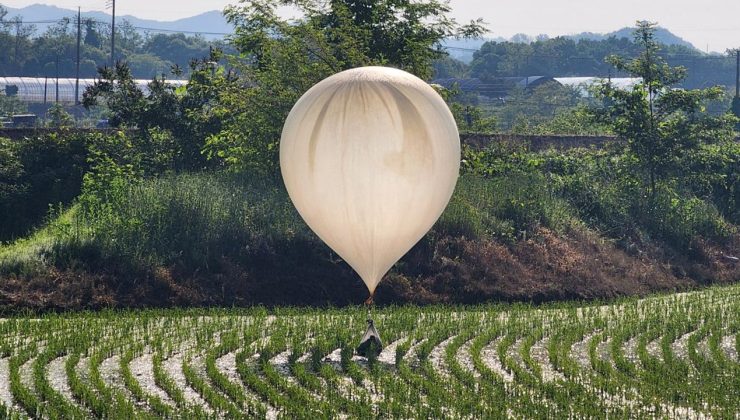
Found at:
(520, 400)
(299, 400)
(463, 394)
(215, 399)
(117, 403)
(589, 393)
(484, 399)
(398, 398)
(24, 396)
(394, 396)
(155, 403)
(54, 404)
(626, 373)
(680, 322)
(528, 373)
(326, 379)
(430, 394)
(168, 385)
(668, 378)
(234, 391)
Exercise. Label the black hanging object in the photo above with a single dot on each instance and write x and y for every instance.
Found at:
(370, 345)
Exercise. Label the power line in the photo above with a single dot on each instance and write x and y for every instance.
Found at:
(100, 22)
(28, 22)
(677, 57)
(181, 31)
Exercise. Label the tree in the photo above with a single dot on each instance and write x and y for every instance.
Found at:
(12, 189)
(10, 104)
(172, 121)
(567, 56)
(285, 58)
(177, 48)
(735, 107)
(19, 42)
(660, 124)
(92, 38)
(128, 37)
(125, 101)
(58, 117)
(448, 67)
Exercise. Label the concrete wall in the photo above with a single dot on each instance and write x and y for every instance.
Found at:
(536, 143)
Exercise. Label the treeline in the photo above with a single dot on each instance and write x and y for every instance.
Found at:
(561, 56)
(53, 53)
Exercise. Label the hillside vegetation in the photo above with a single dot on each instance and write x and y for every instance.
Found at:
(521, 225)
(183, 205)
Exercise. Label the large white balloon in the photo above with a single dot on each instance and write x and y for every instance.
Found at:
(370, 158)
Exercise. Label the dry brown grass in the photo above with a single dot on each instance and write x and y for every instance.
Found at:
(578, 264)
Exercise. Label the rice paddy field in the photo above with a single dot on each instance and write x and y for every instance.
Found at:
(671, 356)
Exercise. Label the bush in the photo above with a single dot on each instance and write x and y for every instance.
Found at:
(679, 220)
(605, 189)
(188, 219)
(713, 172)
(35, 173)
(503, 207)
(48, 169)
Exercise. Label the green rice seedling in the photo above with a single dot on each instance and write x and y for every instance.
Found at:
(619, 359)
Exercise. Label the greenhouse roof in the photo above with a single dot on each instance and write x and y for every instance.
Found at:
(44, 90)
(583, 83)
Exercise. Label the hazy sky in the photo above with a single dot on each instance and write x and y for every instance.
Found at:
(715, 23)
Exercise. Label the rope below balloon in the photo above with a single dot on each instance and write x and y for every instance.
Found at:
(370, 344)
(369, 305)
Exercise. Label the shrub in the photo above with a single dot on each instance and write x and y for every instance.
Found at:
(503, 206)
(37, 172)
(679, 220)
(191, 219)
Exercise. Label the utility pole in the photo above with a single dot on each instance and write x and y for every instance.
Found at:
(57, 95)
(79, 36)
(737, 73)
(17, 42)
(113, 36)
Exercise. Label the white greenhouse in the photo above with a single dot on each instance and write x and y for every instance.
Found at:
(44, 90)
(583, 84)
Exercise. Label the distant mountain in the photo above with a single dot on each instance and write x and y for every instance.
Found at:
(211, 22)
(463, 49)
(214, 22)
(662, 35)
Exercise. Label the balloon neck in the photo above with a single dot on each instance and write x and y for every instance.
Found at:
(369, 304)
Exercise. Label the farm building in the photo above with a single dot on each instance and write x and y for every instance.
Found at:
(50, 90)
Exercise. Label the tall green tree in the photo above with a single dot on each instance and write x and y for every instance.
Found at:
(172, 121)
(661, 124)
(282, 59)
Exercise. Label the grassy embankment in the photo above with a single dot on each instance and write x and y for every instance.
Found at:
(520, 226)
